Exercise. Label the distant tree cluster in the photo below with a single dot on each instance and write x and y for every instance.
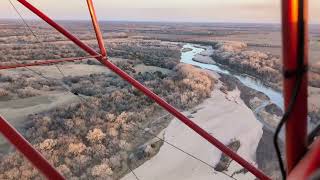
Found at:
(265, 66)
(150, 52)
(258, 64)
(12, 86)
(97, 139)
(100, 138)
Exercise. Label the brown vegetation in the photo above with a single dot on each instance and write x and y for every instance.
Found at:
(225, 161)
(149, 52)
(95, 139)
(128, 40)
(265, 66)
(258, 64)
(13, 86)
(100, 138)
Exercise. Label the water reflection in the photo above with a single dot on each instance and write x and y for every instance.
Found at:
(187, 57)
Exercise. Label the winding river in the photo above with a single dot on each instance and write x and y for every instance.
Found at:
(253, 83)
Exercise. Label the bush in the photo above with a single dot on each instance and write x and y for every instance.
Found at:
(94, 139)
(27, 92)
(4, 93)
(95, 135)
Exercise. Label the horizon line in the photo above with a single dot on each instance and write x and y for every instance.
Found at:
(149, 21)
(159, 21)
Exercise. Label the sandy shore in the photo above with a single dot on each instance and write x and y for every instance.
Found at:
(227, 119)
(204, 56)
(266, 156)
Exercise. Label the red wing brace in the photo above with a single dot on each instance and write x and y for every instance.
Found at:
(28, 151)
(104, 60)
(96, 28)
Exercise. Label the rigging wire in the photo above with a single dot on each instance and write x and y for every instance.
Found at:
(63, 75)
(33, 33)
(24, 21)
(180, 149)
(84, 101)
(282, 122)
(134, 174)
(299, 73)
(38, 40)
(87, 104)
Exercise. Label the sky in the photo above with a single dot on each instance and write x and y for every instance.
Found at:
(252, 11)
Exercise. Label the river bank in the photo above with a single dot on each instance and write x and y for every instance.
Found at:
(202, 54)
(219, 115)
(244, 100)
(265, 107)
(257, 70)
(229, 108)
(267, 114)
(109, 130)
(264, 104)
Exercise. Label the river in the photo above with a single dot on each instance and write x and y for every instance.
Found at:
(253, 83)
(218, 116)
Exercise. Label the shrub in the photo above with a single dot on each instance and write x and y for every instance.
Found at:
(95, 135)
(102, 171)
(4, 93)
(27, 92)
(76, 148)
(94, 139)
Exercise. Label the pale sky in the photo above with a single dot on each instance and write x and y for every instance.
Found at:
(162, 10)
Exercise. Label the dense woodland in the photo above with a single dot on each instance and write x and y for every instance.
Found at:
(102, 135)
(265, 66)
(105, 133)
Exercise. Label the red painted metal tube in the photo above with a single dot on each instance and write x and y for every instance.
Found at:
(96, 28)
(26, 149)
(59, 28)
(151, 95)
(308, 165)
(187, 121)
(45, 62)
(296, 126)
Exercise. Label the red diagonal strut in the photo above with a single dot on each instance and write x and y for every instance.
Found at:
(26, 149)
(96, 28)
(295, 17)
(149, 93)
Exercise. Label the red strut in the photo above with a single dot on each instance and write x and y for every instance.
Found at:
(149, 93)
(296, 126)
(26, 149)
(96, 28)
